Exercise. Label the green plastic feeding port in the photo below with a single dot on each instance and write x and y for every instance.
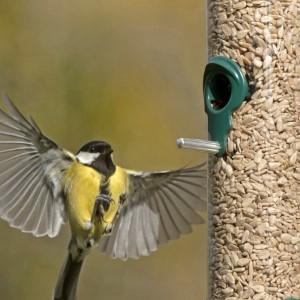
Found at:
(225, 88)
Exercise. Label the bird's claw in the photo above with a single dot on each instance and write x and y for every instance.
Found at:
(101, 206)
(104, 202)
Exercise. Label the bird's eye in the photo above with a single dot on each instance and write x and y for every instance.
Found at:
(93, 149)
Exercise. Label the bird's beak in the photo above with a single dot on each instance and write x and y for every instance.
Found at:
(109, 151)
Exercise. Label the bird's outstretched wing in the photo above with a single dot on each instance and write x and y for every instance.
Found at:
(31, 170)
(159, 207)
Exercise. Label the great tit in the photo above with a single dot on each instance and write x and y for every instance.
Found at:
(124, 213)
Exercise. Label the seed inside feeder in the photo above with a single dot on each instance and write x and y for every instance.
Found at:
(256, 188)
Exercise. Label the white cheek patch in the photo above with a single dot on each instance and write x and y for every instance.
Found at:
(87, 157)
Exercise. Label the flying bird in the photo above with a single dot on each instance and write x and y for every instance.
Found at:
(123, 213)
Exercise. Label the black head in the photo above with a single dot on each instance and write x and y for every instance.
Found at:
(97, 154)
(96, 147)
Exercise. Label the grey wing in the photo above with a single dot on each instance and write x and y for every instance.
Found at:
(31, 168)
(160, 206)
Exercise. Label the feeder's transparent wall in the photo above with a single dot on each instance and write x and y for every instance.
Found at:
(254, 204)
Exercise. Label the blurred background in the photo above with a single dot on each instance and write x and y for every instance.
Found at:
(128, 72)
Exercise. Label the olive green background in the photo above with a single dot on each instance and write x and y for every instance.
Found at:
(128, 72)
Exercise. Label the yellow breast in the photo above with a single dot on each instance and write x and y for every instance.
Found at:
(82, 186)
(118, 185)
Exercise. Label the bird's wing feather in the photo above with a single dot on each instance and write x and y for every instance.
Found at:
(160, 206)
(31, 167)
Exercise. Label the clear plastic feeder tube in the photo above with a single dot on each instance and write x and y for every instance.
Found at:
(254, 206)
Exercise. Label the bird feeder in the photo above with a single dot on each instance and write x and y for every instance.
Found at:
(254, 203)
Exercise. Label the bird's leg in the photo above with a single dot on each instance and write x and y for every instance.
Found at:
(102, 202)
(109, 227)
(101, 206)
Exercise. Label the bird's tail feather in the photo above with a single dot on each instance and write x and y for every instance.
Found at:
(67, 282)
